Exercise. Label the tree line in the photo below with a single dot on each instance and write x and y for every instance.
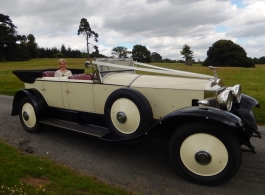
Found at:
(14, 47)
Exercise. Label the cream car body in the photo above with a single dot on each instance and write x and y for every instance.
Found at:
(204, 120)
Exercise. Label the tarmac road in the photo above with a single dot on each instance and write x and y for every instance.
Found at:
(142, 167)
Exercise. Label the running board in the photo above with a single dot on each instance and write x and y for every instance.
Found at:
(86, 129)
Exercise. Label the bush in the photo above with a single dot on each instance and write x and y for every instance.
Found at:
(227, 53)
(58, 55)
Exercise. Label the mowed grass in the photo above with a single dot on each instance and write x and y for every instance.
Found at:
(22, 174)
(251, 79)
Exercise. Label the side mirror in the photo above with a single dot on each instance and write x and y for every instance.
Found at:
(87, 64)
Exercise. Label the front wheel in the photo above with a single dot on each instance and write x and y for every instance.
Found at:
(28, 117)
(205, 154)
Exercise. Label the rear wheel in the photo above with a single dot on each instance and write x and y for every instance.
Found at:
(28, 117)
(127, 113)
(205, 154)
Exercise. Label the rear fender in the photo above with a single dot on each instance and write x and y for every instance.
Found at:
(36, 98)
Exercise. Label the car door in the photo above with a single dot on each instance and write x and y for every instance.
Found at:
(52, 93)
(51, 90)
(78, 94)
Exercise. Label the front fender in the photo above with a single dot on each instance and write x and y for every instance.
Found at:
(245, 112)
(36, 98)
(226, 120)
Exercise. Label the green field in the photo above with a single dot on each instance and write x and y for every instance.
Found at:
(251, 79)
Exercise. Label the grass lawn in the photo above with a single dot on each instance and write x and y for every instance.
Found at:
(22, 174)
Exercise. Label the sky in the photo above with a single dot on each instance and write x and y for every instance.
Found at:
(163, 26)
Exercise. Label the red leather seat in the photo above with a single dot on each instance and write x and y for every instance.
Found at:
(81, 77)
(48, 73)
(95, 76)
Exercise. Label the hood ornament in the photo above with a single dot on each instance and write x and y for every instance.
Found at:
(214, 71)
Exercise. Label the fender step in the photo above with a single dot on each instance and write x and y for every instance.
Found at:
(86, 129)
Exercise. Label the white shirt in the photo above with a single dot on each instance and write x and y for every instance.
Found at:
(58, 73)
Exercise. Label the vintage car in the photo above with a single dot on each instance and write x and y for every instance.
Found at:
(205, 121)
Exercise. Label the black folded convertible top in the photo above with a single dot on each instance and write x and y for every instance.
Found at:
(29, 76)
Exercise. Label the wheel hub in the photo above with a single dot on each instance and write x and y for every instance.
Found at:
(121, 117)
(25, 116)
(203, 157)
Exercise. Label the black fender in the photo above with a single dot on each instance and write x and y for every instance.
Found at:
(245, 112)
(35, 97)
(224, 119)
(168, 124)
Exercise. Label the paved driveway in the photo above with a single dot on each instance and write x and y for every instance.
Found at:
(143, 167)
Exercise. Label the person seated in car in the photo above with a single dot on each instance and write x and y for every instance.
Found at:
(62, 72)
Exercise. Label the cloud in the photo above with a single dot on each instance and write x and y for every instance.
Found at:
(163, 26)
(250, 21)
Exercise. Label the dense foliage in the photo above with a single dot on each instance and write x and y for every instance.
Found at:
(119, 52)
(12, 46)
(141, 54)
(227, 53)
(32, 46)
(156, 56)
(260, 60)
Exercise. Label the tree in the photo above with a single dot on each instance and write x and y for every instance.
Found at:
(96, 52)
(227, 53)
(22, 39)
(261, 60)
(64, 51)
(32, 46)
(156, 56)
(141, 53)
(120, 52)
(85, 29)
(12, 46)
(7, 34)
(187, 54)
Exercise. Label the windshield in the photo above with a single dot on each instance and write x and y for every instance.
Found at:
(106, 66)
(114, 65)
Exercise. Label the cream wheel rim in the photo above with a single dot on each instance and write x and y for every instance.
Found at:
(28, 115)
(211, 151)
(125, 116)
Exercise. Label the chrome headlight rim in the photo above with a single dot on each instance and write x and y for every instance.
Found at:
(225, 100)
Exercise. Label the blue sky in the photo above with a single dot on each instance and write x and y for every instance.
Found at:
(238, 3)
(220, 28)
